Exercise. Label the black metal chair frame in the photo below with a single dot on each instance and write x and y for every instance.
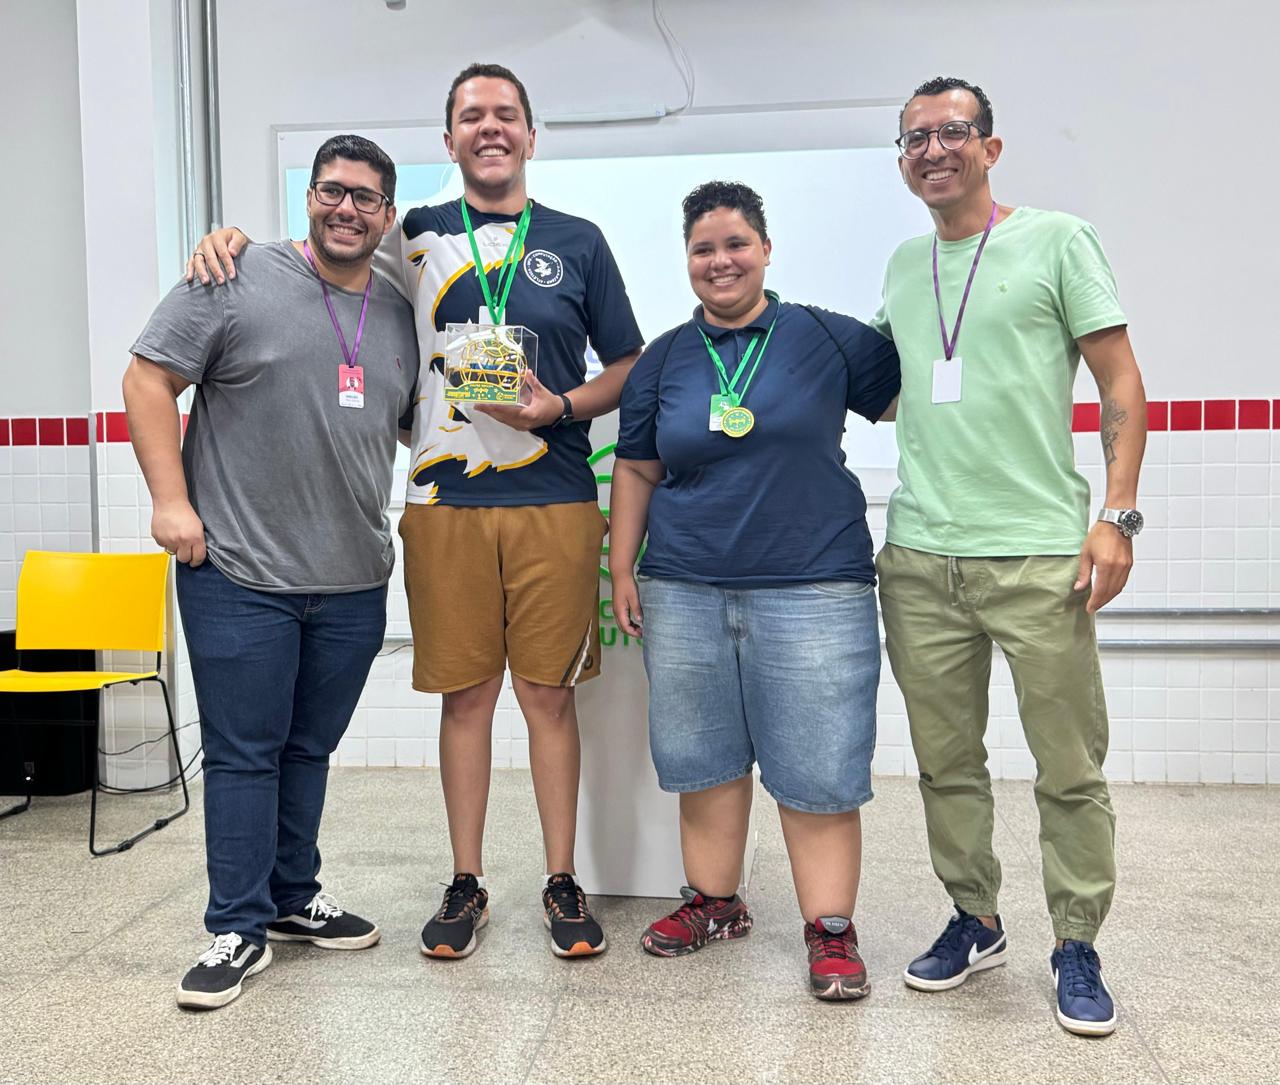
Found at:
(159, 823)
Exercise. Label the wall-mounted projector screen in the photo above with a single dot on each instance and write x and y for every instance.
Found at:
(835, 213)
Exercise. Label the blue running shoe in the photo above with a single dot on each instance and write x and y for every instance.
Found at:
(1084, 1003)
(966, 946)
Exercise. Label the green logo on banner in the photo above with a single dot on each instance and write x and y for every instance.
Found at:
(610, 634)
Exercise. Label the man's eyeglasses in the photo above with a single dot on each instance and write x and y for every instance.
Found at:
(951, 137)
(331, 194)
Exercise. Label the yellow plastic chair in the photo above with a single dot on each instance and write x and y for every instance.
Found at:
(99, 602)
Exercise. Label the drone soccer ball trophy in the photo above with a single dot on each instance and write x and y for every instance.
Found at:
(488, 363)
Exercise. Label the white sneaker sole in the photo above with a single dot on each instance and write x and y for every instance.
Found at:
(994, 959)
(447, 954)
(211, 1000)
(361, 941)
(578, 949)
(1083, 1028)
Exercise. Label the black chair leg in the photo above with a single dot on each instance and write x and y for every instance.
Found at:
(159, 823)
(16, 809)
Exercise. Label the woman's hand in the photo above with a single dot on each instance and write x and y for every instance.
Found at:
(626, 604)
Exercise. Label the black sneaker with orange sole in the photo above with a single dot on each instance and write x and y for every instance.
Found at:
(574, 931)
(451, 932)
(696, 922)
(836, 969)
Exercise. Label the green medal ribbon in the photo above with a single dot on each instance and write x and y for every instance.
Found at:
(507, 271)
(729, 388)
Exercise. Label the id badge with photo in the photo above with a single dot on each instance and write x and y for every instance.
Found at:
(350, 386)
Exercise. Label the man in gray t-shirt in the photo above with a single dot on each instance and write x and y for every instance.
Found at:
(305, 367)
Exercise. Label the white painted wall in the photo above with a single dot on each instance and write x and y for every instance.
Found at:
(1136, 115)
(1139, 116)
(42, 277)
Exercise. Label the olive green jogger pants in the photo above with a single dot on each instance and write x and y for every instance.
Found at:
(941, 617)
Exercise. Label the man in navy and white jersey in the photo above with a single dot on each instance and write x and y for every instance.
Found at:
(501, 528)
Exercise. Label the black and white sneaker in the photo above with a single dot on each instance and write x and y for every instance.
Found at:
(574, 931)
(324, 924)
(451, 932)
(219, 972)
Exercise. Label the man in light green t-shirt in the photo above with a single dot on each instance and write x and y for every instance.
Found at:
(988, 536)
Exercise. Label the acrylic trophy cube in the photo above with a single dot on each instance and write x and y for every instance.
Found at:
(486, 363)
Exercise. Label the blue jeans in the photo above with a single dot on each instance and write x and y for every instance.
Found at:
(786, 677)
(277, 678)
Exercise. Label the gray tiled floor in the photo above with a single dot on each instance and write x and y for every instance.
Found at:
(92, 949)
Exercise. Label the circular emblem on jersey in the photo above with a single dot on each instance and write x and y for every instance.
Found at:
(543, 268)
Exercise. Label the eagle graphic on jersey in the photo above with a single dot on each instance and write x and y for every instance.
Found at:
(452, 431)
(448, 433)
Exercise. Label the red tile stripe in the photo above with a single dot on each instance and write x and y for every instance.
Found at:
(1178, 414)
(1192, 415)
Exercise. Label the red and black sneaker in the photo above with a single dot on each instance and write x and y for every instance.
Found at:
(696, 922)
(836, 970)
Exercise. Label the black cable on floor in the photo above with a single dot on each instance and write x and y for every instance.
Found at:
(145, 742)
(107, 789)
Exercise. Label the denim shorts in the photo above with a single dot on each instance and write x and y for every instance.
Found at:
(784, 677)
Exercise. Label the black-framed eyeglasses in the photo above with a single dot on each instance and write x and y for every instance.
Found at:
(331, 194)
(951, 137)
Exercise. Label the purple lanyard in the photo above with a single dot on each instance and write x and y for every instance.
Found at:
(349, 355)
(949, 347)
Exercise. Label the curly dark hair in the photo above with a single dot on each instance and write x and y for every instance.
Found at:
(733, 195)
(940, 84)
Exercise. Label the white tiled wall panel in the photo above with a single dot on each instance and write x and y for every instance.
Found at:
(1212, 541)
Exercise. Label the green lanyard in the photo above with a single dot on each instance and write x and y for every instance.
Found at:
(729, 388)
(507, 273)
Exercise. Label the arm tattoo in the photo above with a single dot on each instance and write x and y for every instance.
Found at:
(1113, 417)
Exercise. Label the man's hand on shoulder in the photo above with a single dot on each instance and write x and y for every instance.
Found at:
(1106, 558)
(215, 256)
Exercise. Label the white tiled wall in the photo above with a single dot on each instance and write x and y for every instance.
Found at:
(133, 713)
(45, 503)
(1213, 540)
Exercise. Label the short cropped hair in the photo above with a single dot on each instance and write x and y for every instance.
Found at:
(486, 71)
(940, 84)
(357, 149)
(732, 195)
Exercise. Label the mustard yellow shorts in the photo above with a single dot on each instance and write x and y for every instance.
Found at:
(507, 585)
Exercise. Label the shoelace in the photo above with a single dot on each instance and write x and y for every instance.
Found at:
(223, 949)
(457, 895)
(954, 933)
(1080, 969)
(833, 945)
(324, 906)
(567, 901)
(694, 902)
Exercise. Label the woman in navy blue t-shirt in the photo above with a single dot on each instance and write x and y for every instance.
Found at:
(755, 596)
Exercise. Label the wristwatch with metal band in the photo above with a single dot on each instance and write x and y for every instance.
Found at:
(1129, 521)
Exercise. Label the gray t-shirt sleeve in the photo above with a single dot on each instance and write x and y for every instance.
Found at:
(187, 330)
(388, 258)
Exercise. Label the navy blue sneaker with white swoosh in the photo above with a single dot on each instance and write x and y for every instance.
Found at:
(964, 947)
(1085, 1006)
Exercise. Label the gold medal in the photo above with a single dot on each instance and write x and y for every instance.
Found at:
(737, 421)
